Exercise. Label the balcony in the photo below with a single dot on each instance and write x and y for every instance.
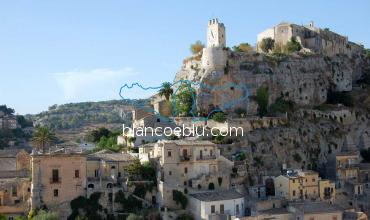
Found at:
(55, 180)
(206, 157)
(185, 158)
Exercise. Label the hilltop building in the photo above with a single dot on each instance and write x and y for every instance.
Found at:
(312, 38)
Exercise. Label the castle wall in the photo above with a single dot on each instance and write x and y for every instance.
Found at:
(214, 58)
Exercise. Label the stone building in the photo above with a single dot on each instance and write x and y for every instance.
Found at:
(136, 135)
(189, 166)
(303, 185)
(214, 56)
(8, 122)
(14, 182)
(106, 174)
(57, 178)
(311, 38)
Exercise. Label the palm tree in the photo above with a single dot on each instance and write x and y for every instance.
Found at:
(166, 90)
(43, 138)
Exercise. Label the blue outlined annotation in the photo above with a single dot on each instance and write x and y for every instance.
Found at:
(190, 86)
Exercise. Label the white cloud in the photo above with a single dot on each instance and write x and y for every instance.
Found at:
(95, 84)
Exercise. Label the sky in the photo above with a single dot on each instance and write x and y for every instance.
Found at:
(55, 52)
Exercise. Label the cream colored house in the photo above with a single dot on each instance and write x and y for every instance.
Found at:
(297, 185)
(57, 178)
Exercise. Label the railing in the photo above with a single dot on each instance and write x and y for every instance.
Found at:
(55, 180)
(185, 158)
(207, 157)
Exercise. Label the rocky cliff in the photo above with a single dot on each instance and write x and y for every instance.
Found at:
(304, 79)
(315, 130)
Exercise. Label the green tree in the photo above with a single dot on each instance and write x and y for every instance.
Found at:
(166, 90)
(89, 206)
(196, 47)
(219, 117)
(267, 44)
(6, 110)
(262, 99)
(45, 215)
(180, 198)
(293, 46)
(43, 138)
(2, 217)
(133, 216)
(23, 122)
(281, 106)
(184, 99)
(185, 216)
(96, 134)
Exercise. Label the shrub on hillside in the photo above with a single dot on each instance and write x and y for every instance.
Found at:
(267, 44)
(196, 47)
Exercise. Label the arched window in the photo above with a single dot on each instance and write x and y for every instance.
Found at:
(90, 186)
(109, 185)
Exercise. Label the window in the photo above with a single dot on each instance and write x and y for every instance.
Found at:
(170, 173)
(185, 170)
(77, 174)
(56, 193)
(313, 179)
(169, 153)
(293, 192)
(212, 209)
(237, 209)
(55, 175)
(185, 183)
(119, 174)
(14, 191)
(222, 208)
(96, 174)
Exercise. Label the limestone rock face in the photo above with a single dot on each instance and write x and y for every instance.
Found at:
(304, 79)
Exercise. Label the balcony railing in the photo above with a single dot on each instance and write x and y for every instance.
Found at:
(206, 157)
(185, 158)
(55, 180)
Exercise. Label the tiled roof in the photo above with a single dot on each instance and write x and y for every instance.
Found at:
(316, 207)
(8, 163)
(188, 142)
(110, 156)
(217, 195)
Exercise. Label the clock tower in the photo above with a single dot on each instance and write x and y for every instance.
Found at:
(216, 34)
(214, 56)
